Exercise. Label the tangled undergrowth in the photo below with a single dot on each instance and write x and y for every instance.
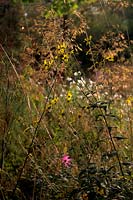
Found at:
(66, 135)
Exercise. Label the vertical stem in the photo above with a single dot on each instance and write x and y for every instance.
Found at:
(64, 25)
(6, 123)
(131, 135)
(30, 148)
(110, 135)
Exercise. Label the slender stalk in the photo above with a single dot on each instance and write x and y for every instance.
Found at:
(30, 148)
(109, 133)
(111, 139)
(6, 123)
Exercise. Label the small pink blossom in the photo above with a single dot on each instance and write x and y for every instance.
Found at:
(66, 160)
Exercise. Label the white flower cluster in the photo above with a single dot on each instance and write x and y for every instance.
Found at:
(80, 85)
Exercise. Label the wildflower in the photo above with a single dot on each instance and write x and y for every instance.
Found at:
(110, 58)
(69, 96)
(25, 14)
(45, 62)
(91, 82)
(81, 82)
(66, 160)
(65, 57)
(54, 101)
(72, 84)
(45, 65)
(62, 112)
(129, 101)
(72, 52)
(49, 106)
(88, 40)
(56, 57)
(77, 73)
(61, 51)
(61, 48)
(51, 62)
(63, 45)
(69, 79)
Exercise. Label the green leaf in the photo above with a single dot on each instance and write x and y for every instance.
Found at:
(120, 137)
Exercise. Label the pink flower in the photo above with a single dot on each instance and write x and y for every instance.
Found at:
(66, 160)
